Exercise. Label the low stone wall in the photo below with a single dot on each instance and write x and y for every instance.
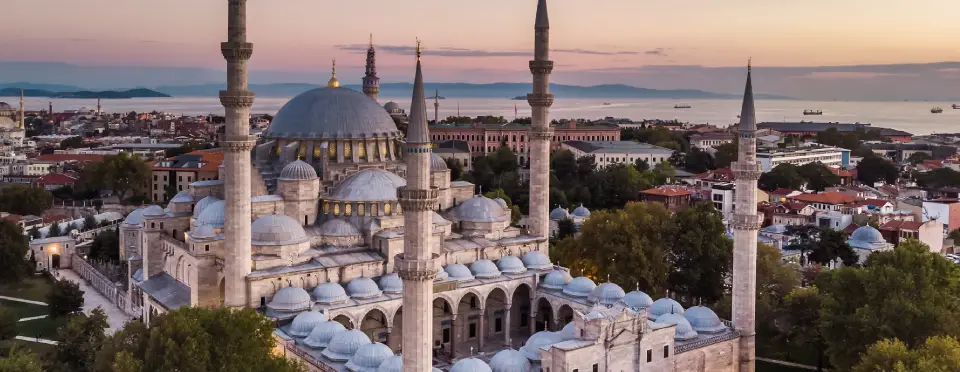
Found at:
(112, 290)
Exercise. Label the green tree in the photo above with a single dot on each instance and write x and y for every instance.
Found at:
(565, 228)
(193, 339)
(72, 143)
(456, 170)
(784, 175)
(937, 354)
(817, 176)
(775, 281)
(726, 154)
(89, 223)
(801, 316)
(804, 238)
(65, 298)
(564, 165)
(698, 161)
(8, 324)
(830, 246)
(918, 157)
(105, 246)
(54, 230)
(170, 190)
(20, 361)
(24, 200)
(13, 249)
(121, 173)
(586, 166)
(908, 293)
(943, 177)
(699, 253)
(873, 169)
(80, 340)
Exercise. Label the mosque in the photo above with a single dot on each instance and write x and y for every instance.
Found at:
(355, 241)
(12, 131)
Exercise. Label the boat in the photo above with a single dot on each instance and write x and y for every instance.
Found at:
(519, 98)
(436, 97)
(681, 106)
(936, 110)
(606, 103)
(813, 112)
(956, 106)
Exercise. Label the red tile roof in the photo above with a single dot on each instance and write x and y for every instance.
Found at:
(840, 172)
(55, 218)
(667, 191)
(56, 179)
(211, 158)
(71, 157)
(851, 228)
(831, 197)
(897, 225)
(932, 164)
(13, 217)
(720, 174)
(879, 203)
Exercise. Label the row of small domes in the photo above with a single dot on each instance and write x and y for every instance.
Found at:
(562, 214)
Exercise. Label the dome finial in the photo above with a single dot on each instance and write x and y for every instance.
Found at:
(333, 82)
(418, 49)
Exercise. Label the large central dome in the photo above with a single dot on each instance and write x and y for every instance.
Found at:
(332, 113)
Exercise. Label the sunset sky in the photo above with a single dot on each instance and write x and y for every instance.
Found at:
(486, 41)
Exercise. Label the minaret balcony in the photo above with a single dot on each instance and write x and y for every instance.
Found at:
(541, 67)
(746, 221)
(545, 134)
(236, 99)
(414, 269)
(236, 51)
(746, 171)
(418, 200)
(540, 100)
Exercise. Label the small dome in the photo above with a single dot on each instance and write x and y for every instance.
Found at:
(289, 299)
(607, 294)
(298, 170)
(203, 203)
(595, 314)
(867, 237)
(502, 203)
(182, 197)
(363, 287)
(391, 283)
(579, 287)
(345, 344)
(531, 349)
(581, 212)
(637, 300)
(330, 293)
(439, 220)
(322, 333)
(484, 269)
(684, 329)
(774, 229)
(510, 360)
(367, 186)
(369, 357)
(437, 164)
(135, 217)
(392, 106)
(338, 228)
(277, 229)
(536, 260)
(304, 322)
(441, 275)
(480, 209)
(470, 365)
(556, 280)
(704, 320)
(212, 215)
(203, 232)
(568, 332)
(511, 265)
(391, 364)
(559, 214)
(153, 211)
(664, 306)
(458, 272)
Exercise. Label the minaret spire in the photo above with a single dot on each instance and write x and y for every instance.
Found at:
(541, 134)
(436, 107)
(417, 265)
(23, 123)
(371, 83)
(745, 223)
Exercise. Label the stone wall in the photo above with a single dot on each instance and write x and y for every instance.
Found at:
(114, 291)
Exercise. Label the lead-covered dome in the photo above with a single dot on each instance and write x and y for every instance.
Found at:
(531, 349)
(480, 209)
(338, 228)
(556, 280)
(368, 185)
(581, 212)
(153, 211)
(298, 170)
(203, 232)
(392, 106)
(345, 344)
(322, 333)
(329, 293)
(182, 197)
(536, 260)
(212, 215)
(510, 360)
(470, 365)
(703, 319)
(290, 299)
(135, 217)
(637, 300)
(304, 323)
(607, 294)
(369, 357)
(203, 204)
(511, 265)
(579, 287)
(363, 287)
(484, 269)
(867, 237)
(664, 306)
(437, 164)
(458, 272)
(276, 229)
(559, 214)
(391, 283)
(684, 330)
(331, 113)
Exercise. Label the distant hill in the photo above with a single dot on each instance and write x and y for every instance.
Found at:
(109, 94)
(33, 86)
(466, 90)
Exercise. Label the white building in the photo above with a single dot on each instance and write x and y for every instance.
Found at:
(710, 139)
(618, 152)
(830, 156)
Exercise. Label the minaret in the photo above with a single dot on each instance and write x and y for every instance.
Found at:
(23, 119)
(237, 144)
(745, 223)
(436, 107)
(417, 265)
(371, 83)
(99, 109)
(540, 132)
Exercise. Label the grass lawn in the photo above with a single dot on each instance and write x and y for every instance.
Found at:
(34, 288)
(24, 310)
(44, 328)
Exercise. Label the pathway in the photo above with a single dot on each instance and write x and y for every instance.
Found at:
(32, 318)
(22, 300)
(116, 318)
(789, 364)
(34, 339)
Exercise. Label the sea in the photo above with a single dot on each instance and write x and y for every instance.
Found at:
(911, 116)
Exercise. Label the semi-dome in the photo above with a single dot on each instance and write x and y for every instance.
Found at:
(391, 283)
(202, 204)
(212, 215)
(368, 185)
(276, 229)
(470, 365)
(439, 220)
(329, 293)
(298, 170)
(568, 332)
(531, 349)
(867, 237)
(637, 300)
(665, 306)
(182, 197)
(304, 322)
(203, 232)
(337, 228)
(581, 212)
(322, 333)
(458, 272)
(607, 294)
(437, 164)
(536, 260)
(510, 360)
(331, 113)
(369, 357)
(345, 344)
(559, 214)
(511, 265)
(363, 287)
(703, 319)
(502, 203)
(484, 269)
(290, 299)
(579, 287)
(153, 211)
(684, 330)
(556, 280)
(135, 217)
(441, 275)
(480, 209)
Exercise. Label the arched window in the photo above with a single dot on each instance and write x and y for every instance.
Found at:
(348, 209)
(360, 209)
(386, 209)
(336, 209)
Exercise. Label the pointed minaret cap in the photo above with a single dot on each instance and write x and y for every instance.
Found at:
(542, 19)
(417, 129)
(748, 116)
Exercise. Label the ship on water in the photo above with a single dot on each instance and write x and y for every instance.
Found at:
(936, 110)
(956, 106)
(682, 106)
(813, 112)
